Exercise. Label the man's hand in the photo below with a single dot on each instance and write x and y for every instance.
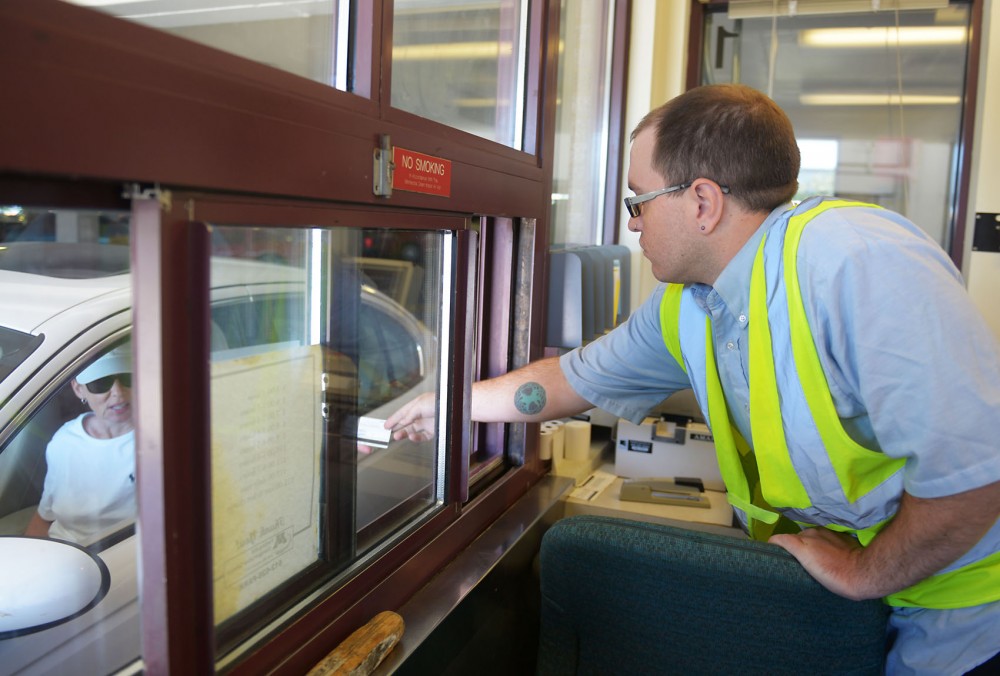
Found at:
(925, 536)
(532, 393)
(827, 556)
(415, 419)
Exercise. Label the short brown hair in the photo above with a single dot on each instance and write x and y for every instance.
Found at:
(732, 134)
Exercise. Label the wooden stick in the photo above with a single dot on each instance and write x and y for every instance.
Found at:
(361, 652)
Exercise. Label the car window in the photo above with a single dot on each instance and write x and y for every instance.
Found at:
(256, 320)
(390, 361)
(15, 347)
(22, 466)
(68, 473)
(387, 362)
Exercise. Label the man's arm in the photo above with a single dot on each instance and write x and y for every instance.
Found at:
(536, 392)
(926, 535)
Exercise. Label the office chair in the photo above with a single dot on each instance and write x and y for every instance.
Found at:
(627, 597)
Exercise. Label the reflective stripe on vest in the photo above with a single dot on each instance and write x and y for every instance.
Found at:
(858, 469)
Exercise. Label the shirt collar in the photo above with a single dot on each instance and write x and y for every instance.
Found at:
(731, 291)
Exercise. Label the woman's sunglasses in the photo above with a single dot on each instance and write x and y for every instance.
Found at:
(102, 385)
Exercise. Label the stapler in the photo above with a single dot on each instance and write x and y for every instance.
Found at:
(682, 491)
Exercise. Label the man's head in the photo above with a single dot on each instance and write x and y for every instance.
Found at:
(731, 134)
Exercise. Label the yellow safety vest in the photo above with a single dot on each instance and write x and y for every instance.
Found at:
(764, 478)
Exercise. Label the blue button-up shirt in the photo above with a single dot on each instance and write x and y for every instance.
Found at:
(912, 367)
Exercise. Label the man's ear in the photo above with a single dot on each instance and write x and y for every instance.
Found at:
(710, 203)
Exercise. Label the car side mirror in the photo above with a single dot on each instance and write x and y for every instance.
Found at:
(46, 582)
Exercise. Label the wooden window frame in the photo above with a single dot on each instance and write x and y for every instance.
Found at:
(105, 103)
(960, 203)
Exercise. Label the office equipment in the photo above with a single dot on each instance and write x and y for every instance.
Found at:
(615, 269)
(552, 439)
(682, 492)
(580, 455)
(667, 446)
(588, 293)
(600, 495)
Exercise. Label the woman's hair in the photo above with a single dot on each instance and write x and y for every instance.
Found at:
(731, 134)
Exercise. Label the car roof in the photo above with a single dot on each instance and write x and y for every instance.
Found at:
(42, 280)
(29, 300)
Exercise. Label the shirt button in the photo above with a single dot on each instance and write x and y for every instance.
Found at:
(743, 319)
(731, 345)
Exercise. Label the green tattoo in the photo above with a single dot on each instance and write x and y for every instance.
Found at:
(529, 398)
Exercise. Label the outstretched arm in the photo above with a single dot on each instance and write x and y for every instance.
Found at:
(925, 536)
(536, 392)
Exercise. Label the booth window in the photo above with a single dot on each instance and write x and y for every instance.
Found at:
(313, 38)
(462, 65)
(881, 94)
(308, 358)
(282, 303)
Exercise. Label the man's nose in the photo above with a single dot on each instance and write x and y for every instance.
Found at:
(634, 223)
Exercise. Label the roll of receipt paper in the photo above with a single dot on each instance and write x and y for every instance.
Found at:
(577, 440)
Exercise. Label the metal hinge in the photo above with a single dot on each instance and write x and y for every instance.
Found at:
(382, 168)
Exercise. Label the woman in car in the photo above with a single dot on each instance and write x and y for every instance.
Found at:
(90, 480)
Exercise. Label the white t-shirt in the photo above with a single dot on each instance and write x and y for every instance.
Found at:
(89, 484)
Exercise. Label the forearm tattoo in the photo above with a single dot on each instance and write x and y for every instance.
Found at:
(529, 398)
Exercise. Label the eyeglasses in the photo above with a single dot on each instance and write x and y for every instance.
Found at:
(102, 385)
(632, 203)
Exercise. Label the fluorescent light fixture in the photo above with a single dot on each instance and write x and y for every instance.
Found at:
(846, 99)
(475, 102)
(759, 9)
(906, 36)
(179, 12)
(451, 50)
(103, 3)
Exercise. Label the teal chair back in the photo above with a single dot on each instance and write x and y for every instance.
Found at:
(627, 597)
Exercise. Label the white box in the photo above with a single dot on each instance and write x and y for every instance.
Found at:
(667, 448)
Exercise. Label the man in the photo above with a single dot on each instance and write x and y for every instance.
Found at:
(874, 407)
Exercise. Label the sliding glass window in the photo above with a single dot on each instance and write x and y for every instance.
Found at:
(462, 64)
(876, 97)
(317, 336)
(310, 38)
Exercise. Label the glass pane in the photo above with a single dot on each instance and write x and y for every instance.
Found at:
(462, 64)
(839, 78)
(67, 449)
(578, 180)
(309, 356)
(311, 38)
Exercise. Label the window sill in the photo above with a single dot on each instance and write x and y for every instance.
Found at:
(470, 609)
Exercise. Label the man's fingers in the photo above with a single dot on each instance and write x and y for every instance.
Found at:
(398, 419)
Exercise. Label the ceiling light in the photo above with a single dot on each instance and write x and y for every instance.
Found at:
(102, 3)
(878, 100)
(450, 50)
(758, 9)
(906, 36)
